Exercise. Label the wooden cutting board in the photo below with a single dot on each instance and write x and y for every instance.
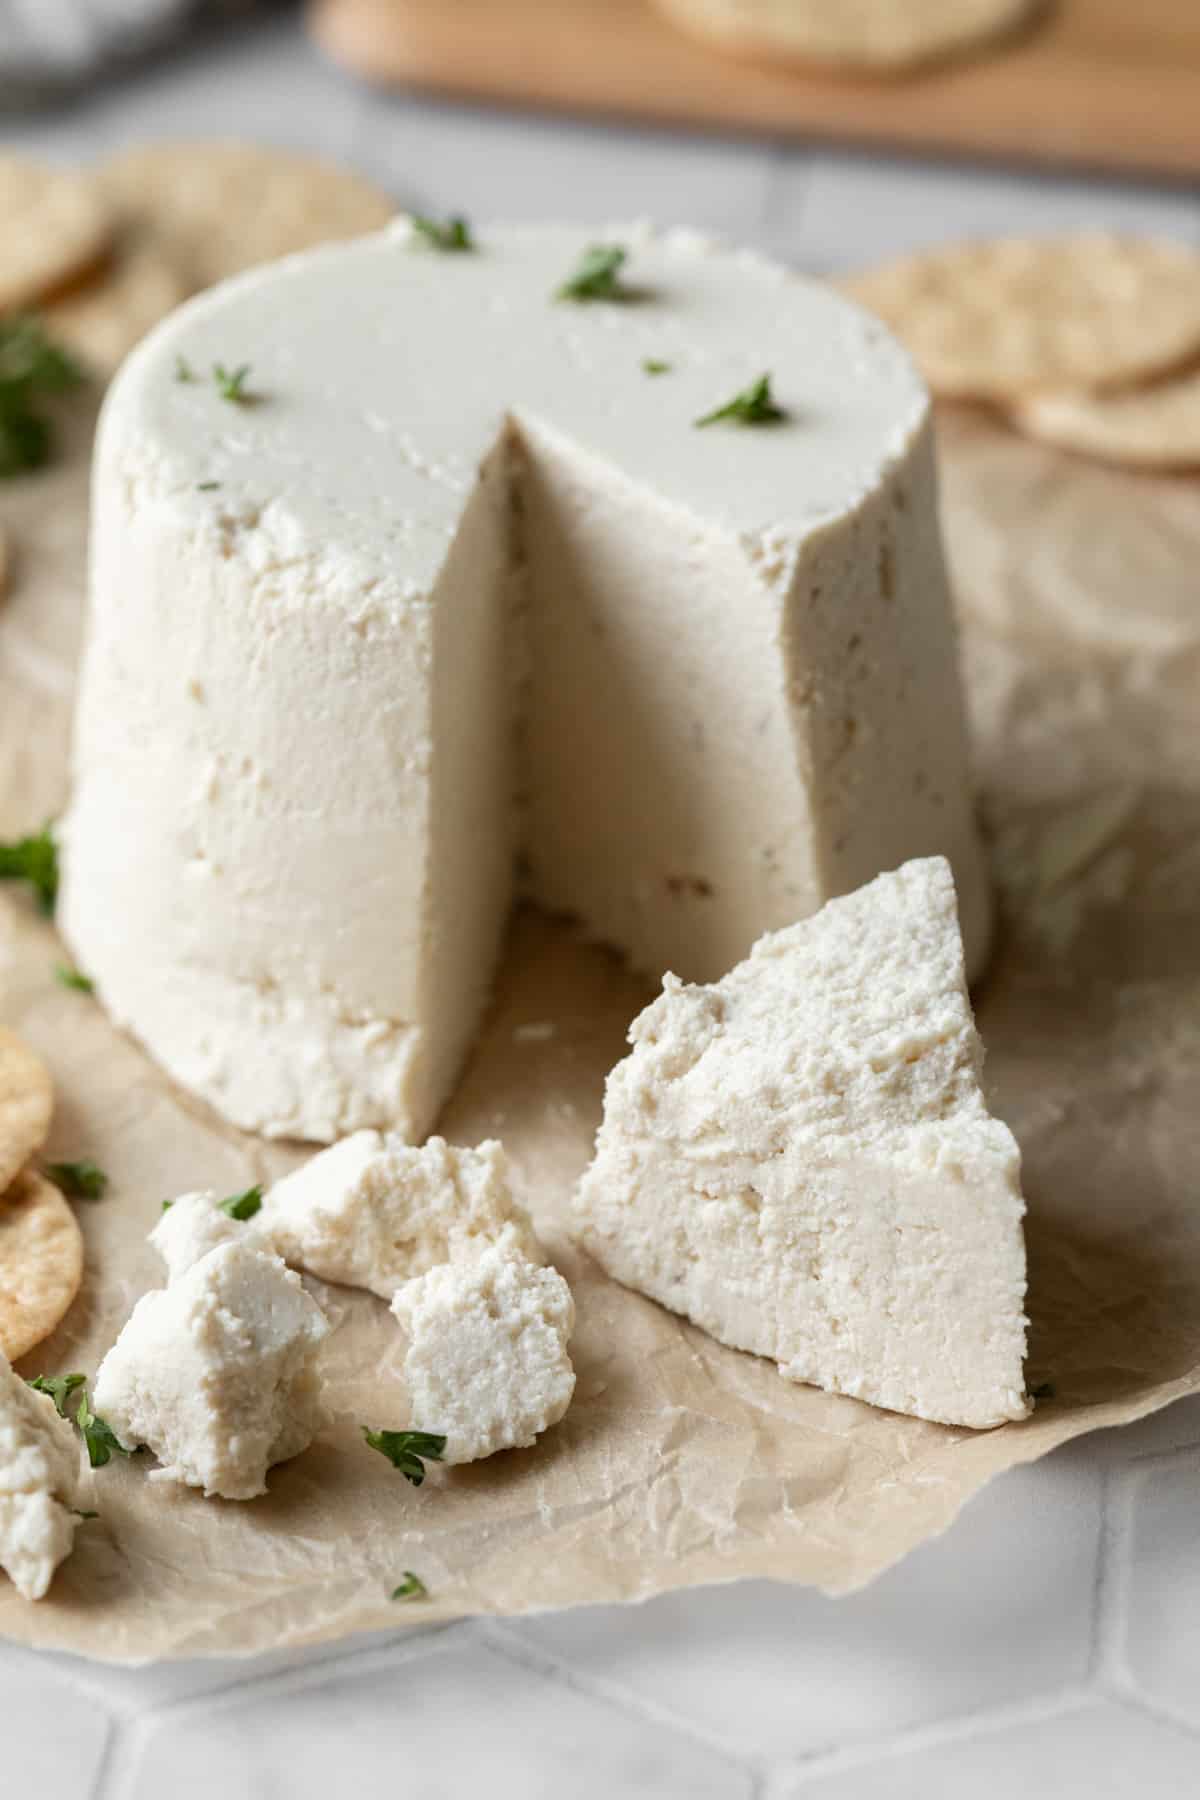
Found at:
(1107, 83)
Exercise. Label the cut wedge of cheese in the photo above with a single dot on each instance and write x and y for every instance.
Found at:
(799, 1159)
(453, 578)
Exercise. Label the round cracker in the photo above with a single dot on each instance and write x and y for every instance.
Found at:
(873, 36)
(1145, 428)
(222, 207)
(41, 1262)
(100, 323)
(994, 320)
(26, 1102)
(53, 223)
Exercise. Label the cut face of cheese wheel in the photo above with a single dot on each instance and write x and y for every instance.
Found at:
(460, 580)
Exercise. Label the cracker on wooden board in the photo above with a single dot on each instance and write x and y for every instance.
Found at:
(220, 207)
(41, 1262)
(868, 36)
(100, 322)
(54, 222)
(26, 1102)
(1012, 316)
(1156, 427)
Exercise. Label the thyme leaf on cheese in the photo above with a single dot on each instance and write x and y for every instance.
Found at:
(231, 383)
(183, 369)
(411, 1588)
(31, 366)
(33, 859)
(654, 365)
(81, 1514)
(68, 977)
(78, 1180)
(243, 1206)
(207, 487)
(454, 234)
(98, 1435)
(59, 1387)
(598, 275)
(753, 406)
(407, 1451)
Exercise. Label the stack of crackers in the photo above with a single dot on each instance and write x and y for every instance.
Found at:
(1090, 342)
(41, 1246)
(103, 254)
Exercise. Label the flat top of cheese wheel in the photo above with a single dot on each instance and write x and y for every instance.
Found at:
(382, 373)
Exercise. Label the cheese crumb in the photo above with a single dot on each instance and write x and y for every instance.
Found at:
(373, 1212)
(39, 1475)
(217, 1373)
(487, 1364)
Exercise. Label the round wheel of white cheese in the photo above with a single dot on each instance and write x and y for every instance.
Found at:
(453, 574)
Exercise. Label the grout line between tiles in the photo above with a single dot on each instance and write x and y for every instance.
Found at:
(519, 1651)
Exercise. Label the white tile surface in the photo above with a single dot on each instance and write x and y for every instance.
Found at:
(1088, 1752)
(955, 1675)
(430, 1727)
(788, 1670)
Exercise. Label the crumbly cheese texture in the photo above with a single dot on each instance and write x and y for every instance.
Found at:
(487, 1364)
(39, 1474)
(373, 1212)
(193, 1225)
(799, 1159)
(462, 585)
(217, 1374)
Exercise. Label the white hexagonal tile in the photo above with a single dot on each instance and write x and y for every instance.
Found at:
(780, 1671)
(454, 1722)
(1088, 1752)
(1162, 1584)
(51, 1738)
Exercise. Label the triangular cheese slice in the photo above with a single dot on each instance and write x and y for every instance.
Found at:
(799, 1158)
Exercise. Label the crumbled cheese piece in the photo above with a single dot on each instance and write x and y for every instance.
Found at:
(192, 1226)
(487, 1363)
(373, 1212)
(217, 1374)
(799, 1158)
(39, 1474)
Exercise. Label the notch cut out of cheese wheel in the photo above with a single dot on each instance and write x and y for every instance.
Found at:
(461, 582)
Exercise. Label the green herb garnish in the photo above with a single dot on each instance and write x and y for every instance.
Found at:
(184, 370)
(242, 1206)
(654, 365)
(753, 406)
(35, 860)
(405, 1450)
(207, 487)
(68, 977)
(411, 1588)
(59, 1387)
(31, 366)
(231, 383)
(455, 234)
(80, 1514)
(78, 1180)
(598, 275)
(101, 1440)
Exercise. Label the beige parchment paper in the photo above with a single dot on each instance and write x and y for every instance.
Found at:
(682, 1462)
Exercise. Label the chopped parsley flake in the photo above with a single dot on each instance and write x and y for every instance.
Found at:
(654, 365)
(33, 859)
(79, 1180)
(184, 370)
(231, 383)
(753, 406)
(598, 275)
(59, 1387)
(243, 1206)
(406, 1449)
(411, 1588)
(31, 367)
(68, 977)
(207, 487)
(98, 1435)
(455, 234)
